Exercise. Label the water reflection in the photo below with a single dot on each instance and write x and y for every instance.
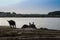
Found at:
(53, 23)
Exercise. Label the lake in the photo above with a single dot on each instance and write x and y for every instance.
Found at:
(51, 23)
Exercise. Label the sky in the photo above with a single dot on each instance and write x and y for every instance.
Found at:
(29, 6)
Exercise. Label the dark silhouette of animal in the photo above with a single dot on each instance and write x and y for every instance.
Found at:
(32, 25)
(12, 24)
(29, 26)
(25, 26)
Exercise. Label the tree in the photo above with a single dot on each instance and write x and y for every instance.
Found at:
(13, 13)
(54, 13)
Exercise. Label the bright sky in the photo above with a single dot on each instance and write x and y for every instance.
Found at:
(29, 6)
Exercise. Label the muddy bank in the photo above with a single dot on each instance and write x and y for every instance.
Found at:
(28, 34)
(19, 38)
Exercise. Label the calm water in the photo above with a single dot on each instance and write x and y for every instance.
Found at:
(51, 23)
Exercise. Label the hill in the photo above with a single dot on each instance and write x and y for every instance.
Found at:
(54, 13)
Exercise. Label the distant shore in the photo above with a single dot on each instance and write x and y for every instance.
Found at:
(29, 17)
(54, 14)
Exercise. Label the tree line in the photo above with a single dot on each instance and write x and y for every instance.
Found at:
(13, 14)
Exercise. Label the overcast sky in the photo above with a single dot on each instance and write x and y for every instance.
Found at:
(29, 6)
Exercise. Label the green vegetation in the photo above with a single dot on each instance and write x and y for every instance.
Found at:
(54, 13)
(13, 14)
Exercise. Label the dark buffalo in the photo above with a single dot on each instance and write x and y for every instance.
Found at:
(12, 24)
(29, 26)
(25, 26)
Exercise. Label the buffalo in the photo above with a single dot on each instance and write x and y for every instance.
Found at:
(29, 26)
(12, 23)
